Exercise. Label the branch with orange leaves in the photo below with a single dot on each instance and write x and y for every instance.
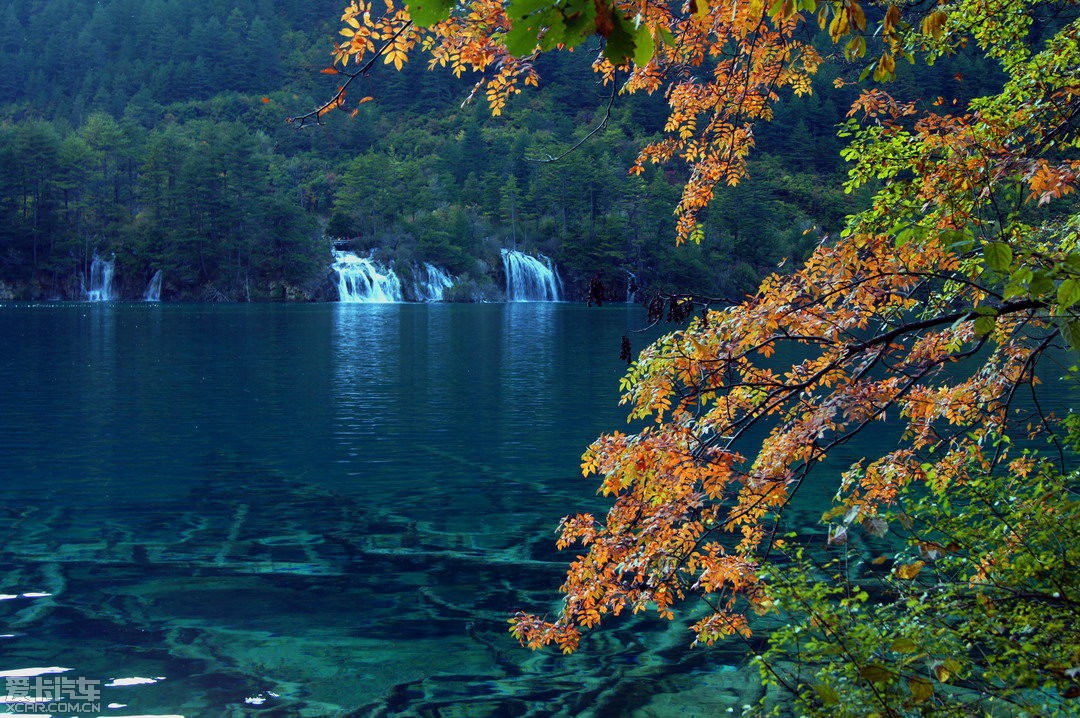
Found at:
(678, 484)
(338, 100)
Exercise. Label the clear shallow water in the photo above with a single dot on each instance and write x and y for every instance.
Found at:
(320, 510)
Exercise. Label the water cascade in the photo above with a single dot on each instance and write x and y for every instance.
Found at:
(631, 287)
(431, 283)
(153, 289)
(362, 280)
(101, 278)
(530, 279)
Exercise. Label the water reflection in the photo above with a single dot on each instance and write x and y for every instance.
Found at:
(528, 343)
(366, 368)
(101, 382)
(527, 363)
(440, 409)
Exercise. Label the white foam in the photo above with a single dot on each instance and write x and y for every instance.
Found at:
(133, 681)
(31, 672)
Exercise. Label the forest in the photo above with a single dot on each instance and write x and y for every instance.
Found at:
(155, 134)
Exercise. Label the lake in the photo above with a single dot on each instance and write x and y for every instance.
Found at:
(320, 510)
(312, 510)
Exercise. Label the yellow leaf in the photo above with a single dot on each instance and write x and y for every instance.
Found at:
(933, 23)
(910, 570)
(892, 18)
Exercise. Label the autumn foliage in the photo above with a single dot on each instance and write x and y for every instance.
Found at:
(950, 263)
(721, 67)
(933, 307)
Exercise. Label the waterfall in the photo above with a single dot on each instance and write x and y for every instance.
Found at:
(362, 280)
(530, 279)
(153, 289)
(101, 278)
(631, 287)
(431, 283)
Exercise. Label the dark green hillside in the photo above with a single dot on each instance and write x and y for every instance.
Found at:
(154, 131)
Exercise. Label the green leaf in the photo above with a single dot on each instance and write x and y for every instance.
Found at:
(998, 256)
(643, 46)
(426, 13)
(620, 43)
(908, 233)
(568, 24)
(959, 240)
(579, 20)
(1068, 293)
(1041, 283)
(526, 20)
(827, 694)
(1070, 330)
(1012, 291)
(1018, 282)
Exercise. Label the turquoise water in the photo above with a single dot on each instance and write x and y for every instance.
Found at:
(315, 510)
(321, 510)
